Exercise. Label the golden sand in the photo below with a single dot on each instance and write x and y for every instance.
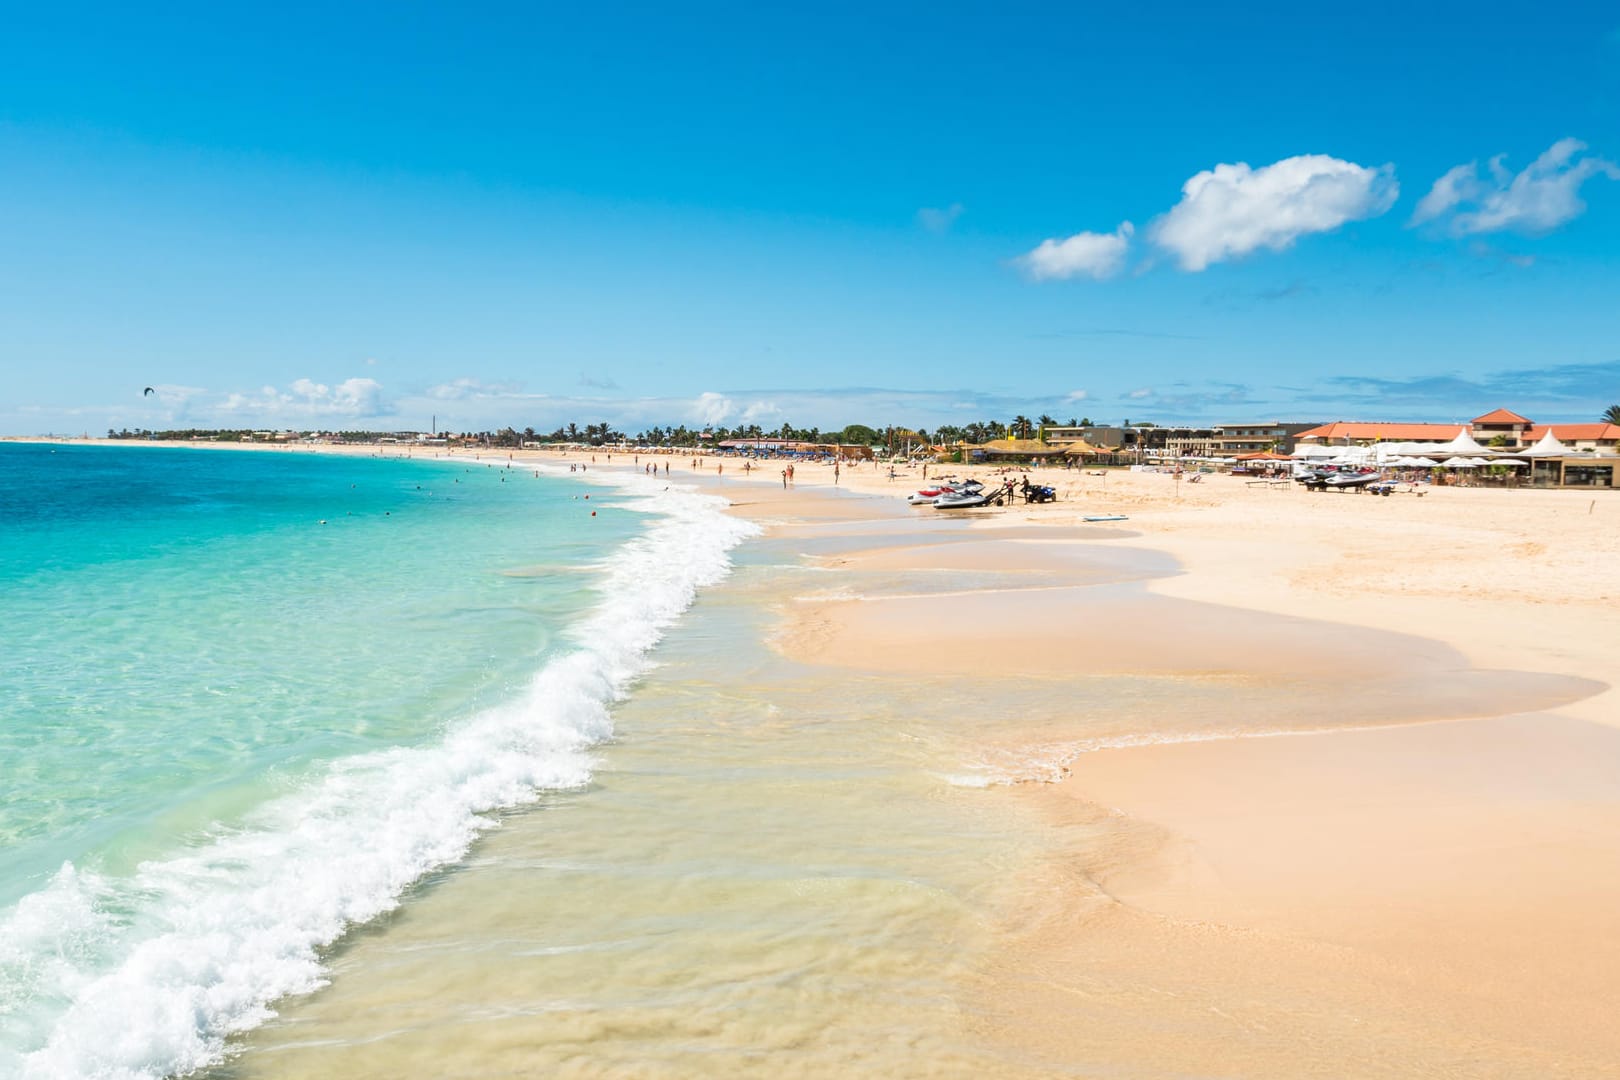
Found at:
(1414, 870)
(1412, 900)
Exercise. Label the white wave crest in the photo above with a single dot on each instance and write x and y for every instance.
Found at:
(149, 976)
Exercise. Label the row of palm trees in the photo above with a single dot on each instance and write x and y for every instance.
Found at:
(1021, 427)
(889, 436)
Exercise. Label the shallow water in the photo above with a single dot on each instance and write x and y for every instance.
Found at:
(258, 695)
(778, 869)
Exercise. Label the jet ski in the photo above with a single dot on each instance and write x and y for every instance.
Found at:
(966, 500)
(927, 496)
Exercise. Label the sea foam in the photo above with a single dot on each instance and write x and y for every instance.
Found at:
(150, 975)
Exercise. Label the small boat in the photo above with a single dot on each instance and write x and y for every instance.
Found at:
(1105, 517)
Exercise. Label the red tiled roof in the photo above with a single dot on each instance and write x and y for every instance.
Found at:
(1502, 416)
(1351, 429)
(1575, 432)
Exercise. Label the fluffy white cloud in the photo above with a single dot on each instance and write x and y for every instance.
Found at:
(1076, 395)
(1541, 198)
(1231, 210)
(711, 408)
(307, 399)
(1089, 254)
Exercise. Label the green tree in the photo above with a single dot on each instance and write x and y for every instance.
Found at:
(1611, 415)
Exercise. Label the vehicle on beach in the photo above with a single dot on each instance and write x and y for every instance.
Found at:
(966, 500)
(1040, 493)
(929, 495)
(1338, 479)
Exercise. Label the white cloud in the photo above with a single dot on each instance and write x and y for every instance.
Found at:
(1137, 395)
(468, 389)
(936, 220)
(1076, 395)
(307, 399)
(1539, 199)
(711, 408)
(1093, 255)
(1232, 210)
(760, 410)
(1458, 184)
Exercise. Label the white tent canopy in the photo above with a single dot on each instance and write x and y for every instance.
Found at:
(1462, 446)
(1548, 446)
(1459, 462)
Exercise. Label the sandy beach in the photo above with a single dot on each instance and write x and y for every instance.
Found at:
(1429, 889)
(1388, 845)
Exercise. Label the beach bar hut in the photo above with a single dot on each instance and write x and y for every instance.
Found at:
(1081, 450)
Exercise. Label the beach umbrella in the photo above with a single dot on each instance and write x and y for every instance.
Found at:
(1460, 462)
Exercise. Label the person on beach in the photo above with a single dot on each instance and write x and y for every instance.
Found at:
(835, 472)
(784, 479)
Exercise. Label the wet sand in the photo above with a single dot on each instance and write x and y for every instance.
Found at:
(1268, 785)
(1355, 889)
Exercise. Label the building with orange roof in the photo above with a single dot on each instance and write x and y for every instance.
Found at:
(1592, 458)
(1351, 432)
(1578, 436)
(1502, 428)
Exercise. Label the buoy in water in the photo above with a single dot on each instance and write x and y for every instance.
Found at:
(593, 513)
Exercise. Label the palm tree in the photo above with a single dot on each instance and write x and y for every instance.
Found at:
(1020, 427)
(1611, 415)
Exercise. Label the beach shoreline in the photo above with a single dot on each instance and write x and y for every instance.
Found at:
(1426, 894)
(1431, 896)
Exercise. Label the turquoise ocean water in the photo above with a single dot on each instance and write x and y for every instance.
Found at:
(246, 699)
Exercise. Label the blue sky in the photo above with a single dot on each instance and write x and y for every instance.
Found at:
(914, 214)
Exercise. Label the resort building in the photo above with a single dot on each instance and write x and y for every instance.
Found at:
(1501, 429)
(1230, 440)
(1104, 435)
(1549, 455)
(1166, 441)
